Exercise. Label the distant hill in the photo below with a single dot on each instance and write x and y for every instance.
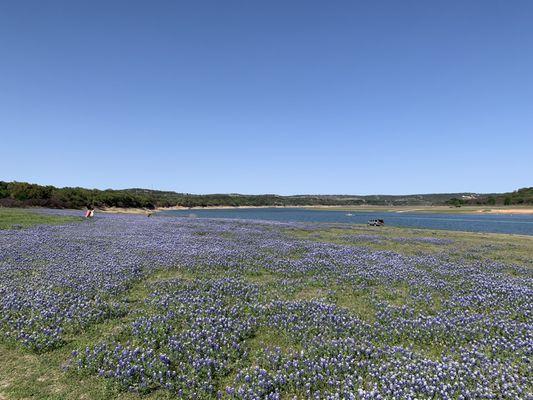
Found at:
(518, 197)
(22, 194)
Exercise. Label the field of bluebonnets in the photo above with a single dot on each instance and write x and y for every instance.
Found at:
(126, 306)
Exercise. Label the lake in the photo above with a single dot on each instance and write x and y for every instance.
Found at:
(516, 224)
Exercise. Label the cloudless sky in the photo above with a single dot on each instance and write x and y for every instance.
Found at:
(287, 97)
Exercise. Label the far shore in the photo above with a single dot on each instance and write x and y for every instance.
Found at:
(523, 210)
(509, 210)
(119, 210)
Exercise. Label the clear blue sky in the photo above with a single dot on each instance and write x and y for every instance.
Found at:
(281, 97)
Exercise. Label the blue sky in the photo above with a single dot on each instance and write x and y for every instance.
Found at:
(268, 97)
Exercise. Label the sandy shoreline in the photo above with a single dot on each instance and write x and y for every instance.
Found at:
(424, 209)
(221, 207)
(522, 211)
(118, 210)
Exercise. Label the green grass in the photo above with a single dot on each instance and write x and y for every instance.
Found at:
(507, 249)
(16, 218)
(25, 375)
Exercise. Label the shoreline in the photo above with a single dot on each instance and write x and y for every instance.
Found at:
(512, 210)
(119, 210)
(473, 210)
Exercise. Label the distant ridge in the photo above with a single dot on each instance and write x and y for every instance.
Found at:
(23, 194)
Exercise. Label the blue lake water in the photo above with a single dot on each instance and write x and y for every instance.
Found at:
(517, 224)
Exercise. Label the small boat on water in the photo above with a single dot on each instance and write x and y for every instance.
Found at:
(376, 222)
(349, 215)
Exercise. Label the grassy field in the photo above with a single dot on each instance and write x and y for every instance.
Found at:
(278, 288)
(17, 218)
(461, 246)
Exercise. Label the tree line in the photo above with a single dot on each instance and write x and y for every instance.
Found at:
(522, 196)
(23, 194)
